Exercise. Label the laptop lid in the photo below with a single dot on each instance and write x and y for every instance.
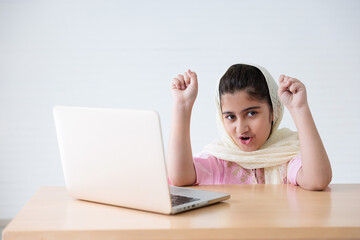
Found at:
(111, 155)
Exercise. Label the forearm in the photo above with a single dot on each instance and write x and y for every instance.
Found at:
(316, 172)
(179, 157)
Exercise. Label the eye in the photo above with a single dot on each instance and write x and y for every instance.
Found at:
(230, 117)
(251, 114)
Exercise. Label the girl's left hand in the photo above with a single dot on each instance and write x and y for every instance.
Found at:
(292, 93)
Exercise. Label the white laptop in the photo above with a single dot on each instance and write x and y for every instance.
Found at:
(116, 156)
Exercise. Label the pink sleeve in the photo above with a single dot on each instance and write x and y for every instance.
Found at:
(293, 168)
(209, 170)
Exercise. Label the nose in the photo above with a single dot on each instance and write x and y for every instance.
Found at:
(242, 127)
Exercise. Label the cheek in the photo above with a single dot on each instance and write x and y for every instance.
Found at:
(227, 126)
(230, 128)
(262, 126)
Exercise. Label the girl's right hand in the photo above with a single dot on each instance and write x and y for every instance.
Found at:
(184, 88)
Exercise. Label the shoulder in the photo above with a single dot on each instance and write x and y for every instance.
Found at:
(209, 160)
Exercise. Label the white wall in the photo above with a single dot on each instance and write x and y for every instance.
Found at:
(123, 54)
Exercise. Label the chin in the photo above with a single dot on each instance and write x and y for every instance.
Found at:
(247, 148)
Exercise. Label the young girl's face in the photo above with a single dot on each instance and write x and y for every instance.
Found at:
(247, 121)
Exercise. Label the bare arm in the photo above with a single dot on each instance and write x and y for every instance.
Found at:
(316, 173)
(179, 157)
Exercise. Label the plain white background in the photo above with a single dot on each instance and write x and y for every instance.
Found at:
(123, 54)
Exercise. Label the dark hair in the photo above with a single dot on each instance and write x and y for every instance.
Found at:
(245, 77)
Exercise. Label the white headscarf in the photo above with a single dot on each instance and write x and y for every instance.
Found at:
(280, 147)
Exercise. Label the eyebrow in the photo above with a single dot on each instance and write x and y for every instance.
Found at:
(244, 110)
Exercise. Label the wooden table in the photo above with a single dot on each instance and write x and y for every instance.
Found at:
(253, 212)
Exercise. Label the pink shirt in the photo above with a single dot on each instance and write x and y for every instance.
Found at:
(213, 171)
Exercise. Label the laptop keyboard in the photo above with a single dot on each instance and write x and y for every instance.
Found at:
(177, 199)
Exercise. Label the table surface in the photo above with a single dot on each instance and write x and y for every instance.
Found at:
(253, 211)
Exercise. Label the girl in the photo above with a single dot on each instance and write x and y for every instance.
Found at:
(252, 148)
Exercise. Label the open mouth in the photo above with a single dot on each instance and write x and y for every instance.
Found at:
(245, 140)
